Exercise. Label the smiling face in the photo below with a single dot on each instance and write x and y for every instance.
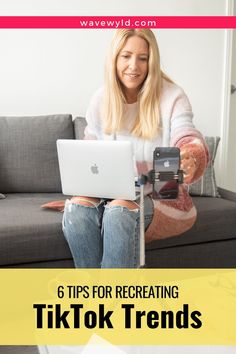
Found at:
(132, 66)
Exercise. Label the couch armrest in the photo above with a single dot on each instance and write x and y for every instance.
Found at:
(79, 126)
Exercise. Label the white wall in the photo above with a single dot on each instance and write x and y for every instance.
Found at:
(49, 71)
(57, 71)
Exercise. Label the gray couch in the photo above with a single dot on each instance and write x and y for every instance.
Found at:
(32, 237)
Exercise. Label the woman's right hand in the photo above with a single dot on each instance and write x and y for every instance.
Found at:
(188, 165)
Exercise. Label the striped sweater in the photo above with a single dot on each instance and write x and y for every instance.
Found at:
(171, 217)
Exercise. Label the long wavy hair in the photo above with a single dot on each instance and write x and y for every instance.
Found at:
(147, 123)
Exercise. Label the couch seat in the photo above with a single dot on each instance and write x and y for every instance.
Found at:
(28, 233)
(32, 236)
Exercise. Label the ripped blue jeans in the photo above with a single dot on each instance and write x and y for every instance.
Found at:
(104, 236)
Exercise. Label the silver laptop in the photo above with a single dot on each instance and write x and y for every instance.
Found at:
(97, 168)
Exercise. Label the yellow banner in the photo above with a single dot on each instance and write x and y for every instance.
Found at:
(124, 307)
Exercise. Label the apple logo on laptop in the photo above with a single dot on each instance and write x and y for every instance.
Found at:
(166, 163)
(94, 169)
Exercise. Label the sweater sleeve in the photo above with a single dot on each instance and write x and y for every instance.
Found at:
(93, 117)
(198, 149)
(185, 135)
(173, 217)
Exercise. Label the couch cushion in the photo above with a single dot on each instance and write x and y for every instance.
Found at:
(29, 233)
(216, 221)
(207, 186)
(28, 156)
(79, 126)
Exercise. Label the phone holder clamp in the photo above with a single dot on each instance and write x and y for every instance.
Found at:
(164, 176)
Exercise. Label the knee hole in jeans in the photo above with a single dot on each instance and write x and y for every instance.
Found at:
(133, 206)
(86, 201)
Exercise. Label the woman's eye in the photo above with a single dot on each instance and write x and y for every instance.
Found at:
(125, 56)
(143, 59)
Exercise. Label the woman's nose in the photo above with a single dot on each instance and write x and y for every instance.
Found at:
(133, 63)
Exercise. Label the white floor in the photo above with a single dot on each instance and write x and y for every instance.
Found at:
(98, 345)
(91, 349)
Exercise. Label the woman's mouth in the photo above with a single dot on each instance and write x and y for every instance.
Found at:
(132, 76)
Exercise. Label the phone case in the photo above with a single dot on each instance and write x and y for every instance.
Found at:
(166, 159)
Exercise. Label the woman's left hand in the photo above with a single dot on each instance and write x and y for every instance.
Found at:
(188, 165)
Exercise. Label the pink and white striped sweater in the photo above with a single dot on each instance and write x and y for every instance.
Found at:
(170, 217)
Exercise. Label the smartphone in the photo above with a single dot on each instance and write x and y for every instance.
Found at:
(166, 159)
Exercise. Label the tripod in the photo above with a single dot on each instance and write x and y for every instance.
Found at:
(152, 177)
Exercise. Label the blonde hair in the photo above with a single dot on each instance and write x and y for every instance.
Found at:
(147, 124)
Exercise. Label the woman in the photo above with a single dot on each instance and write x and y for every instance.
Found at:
(141, 104)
